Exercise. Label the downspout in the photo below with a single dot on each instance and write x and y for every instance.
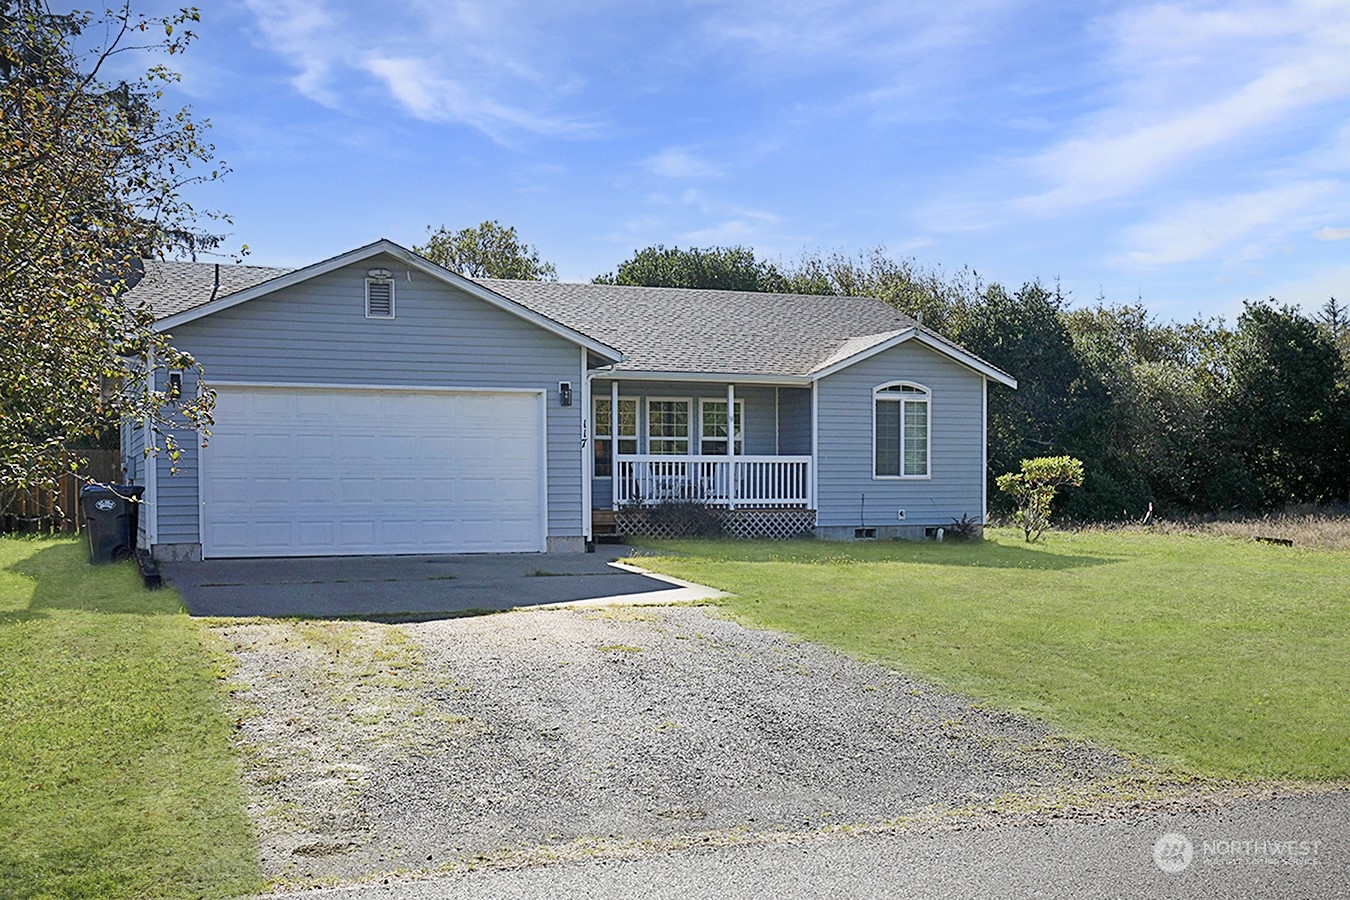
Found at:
(585, 401)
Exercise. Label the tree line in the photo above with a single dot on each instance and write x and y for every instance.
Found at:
(1196, 416)
(1200, 416)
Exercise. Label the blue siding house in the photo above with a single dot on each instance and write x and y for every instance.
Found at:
(377, 403)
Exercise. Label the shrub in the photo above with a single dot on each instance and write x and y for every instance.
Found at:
(1033, 489)
(964, 529)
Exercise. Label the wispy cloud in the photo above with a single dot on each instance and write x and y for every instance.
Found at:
(468, 62)
(865, 60)
(304, 31)
(723, 221)
(1332, 234)
(1199, 229)
(677, 162)
(694, 218)
(1188, 83)
(840, 33)
(433, 97)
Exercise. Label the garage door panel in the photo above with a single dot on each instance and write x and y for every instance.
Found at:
(264, 406)
(351, 491)
(308, 472)
(440, 489)
(356, 533)
(399, 490)
(314, 534)
(315, 447)
(315, 490)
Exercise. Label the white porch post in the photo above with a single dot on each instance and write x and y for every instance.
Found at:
(614, 444)
(731, 445)
(813, 501)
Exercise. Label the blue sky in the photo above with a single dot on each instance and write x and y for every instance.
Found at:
(1191, 155)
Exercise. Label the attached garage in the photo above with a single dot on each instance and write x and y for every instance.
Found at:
(373, 403)
(320, 471)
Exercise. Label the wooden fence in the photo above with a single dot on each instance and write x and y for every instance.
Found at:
(44, 510)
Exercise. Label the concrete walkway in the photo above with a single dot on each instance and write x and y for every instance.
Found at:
(417, 588)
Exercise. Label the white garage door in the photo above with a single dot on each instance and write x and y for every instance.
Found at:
(318, 472)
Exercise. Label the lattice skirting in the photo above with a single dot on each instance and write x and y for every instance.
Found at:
(774, 524)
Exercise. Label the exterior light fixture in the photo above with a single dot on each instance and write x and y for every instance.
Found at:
(564, 393)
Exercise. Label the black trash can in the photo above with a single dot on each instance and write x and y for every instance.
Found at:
(111, 514)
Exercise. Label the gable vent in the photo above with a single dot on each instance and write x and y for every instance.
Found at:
(379, 298)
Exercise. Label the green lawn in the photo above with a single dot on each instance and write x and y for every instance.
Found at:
(116, 774)
(1210, 655)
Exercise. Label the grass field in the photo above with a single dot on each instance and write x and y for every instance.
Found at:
(1210, 655)
(116, 775)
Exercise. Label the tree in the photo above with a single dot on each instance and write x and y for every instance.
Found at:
(714, 268)
(1280, 413)
(90, 179)
(1158, 387)
(1033, 490)
(489, 251)
(940, 301)
(1059, 406)
(1334, 319)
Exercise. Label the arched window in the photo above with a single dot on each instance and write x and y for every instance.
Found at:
(900, 430)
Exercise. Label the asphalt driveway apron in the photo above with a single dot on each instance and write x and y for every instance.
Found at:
(408, 588)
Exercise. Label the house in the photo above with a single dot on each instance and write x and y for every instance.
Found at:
(377, 403)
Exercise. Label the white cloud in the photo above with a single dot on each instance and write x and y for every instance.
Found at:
(302, 31)
(730, 231)
(469, 63)
(1186, 84)
(1313, 290)
(1332, 234)
(843, 34)
(1198, 230)
(433, 97)
(674, 162)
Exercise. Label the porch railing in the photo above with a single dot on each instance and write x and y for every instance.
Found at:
(772, 482)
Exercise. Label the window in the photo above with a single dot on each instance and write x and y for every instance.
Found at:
(713, 419)
(900, 444)
(603, 433)
(379, 298)
(668, 427)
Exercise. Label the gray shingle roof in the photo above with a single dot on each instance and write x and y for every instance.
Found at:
(171, 287)
(674, 330)
(725, 332)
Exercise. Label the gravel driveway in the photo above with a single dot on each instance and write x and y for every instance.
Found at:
(562, 733)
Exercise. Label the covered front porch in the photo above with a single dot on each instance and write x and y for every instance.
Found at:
(731, 446)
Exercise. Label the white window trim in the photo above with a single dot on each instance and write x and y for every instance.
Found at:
(392, 292)
(879, 396)
(608, 434)
(689, 417)
(740, 424)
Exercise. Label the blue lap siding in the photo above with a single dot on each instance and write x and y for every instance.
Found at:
(848, 493)
(316, 332)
